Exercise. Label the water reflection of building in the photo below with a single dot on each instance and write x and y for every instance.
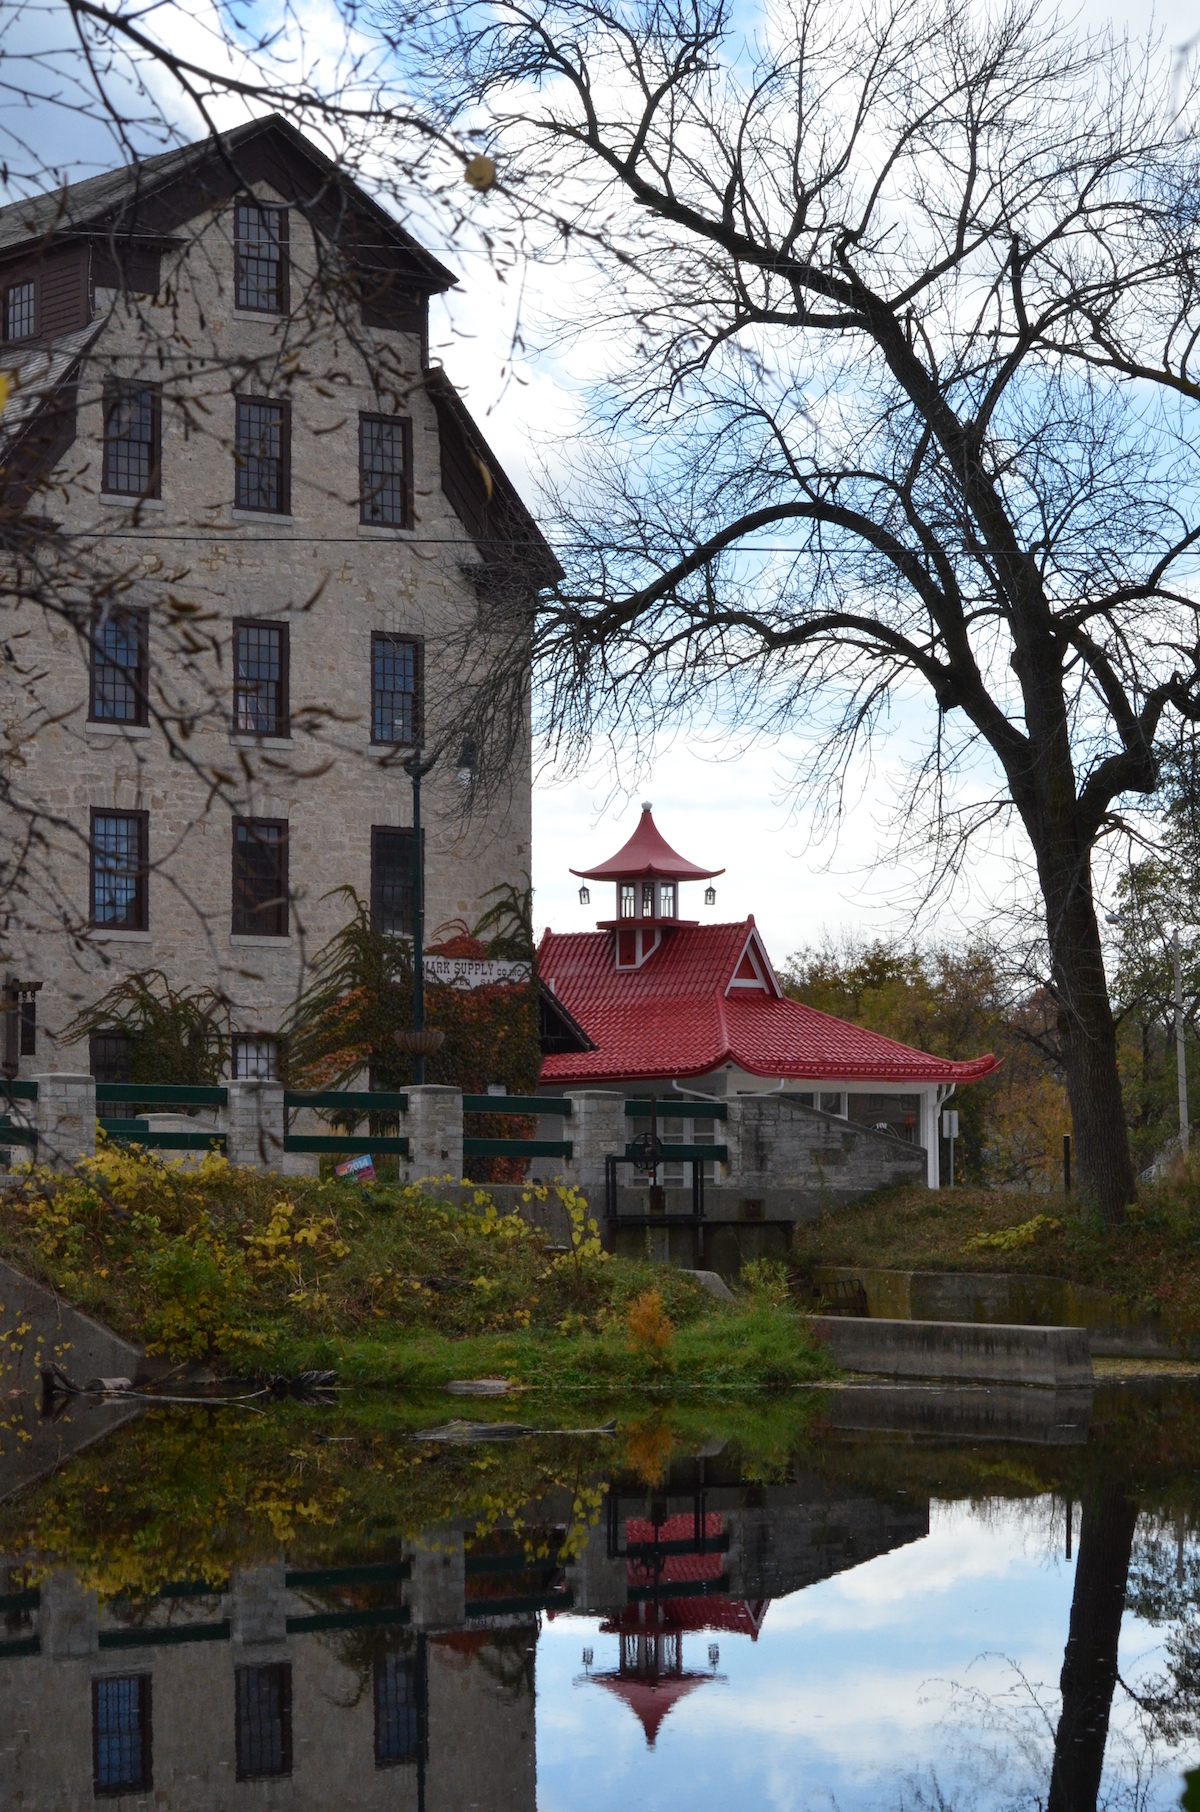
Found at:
(325, 1680)
(403, 1681)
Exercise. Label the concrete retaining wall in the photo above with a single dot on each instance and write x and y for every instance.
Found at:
(1008, 1298)
(38, 1327)
(1057, 1358)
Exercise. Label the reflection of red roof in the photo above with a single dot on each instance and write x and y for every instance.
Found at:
(740, 1616)
(651, 1700)
(647, 853)
(686, 1012)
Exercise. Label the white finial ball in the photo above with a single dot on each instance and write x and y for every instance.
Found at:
(646, 806)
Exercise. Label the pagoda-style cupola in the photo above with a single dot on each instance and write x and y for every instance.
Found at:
(647, 874)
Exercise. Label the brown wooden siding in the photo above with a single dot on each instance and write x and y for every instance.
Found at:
(62, 302)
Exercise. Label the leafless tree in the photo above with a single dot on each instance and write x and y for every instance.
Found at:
(892, 335)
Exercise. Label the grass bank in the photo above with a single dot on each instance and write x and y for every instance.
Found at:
(1151, 1263)
(385, 1284)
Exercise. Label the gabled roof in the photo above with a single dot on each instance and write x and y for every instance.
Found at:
(156, 195)
(677, 1016)
(647, 853)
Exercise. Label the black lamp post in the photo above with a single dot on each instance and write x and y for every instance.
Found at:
(416, 769)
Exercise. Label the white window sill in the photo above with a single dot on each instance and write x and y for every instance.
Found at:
(116, 500)
(135, 732)
(384, 531)
(271, 315)
(247, 739)
(101, 934)
(246, 940)
(261, 516)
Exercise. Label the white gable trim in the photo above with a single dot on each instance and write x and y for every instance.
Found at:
(765, 980)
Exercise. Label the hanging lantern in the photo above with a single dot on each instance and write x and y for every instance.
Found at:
(585, 895)
(710, 895)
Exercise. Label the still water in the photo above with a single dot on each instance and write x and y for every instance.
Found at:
(837, 1599)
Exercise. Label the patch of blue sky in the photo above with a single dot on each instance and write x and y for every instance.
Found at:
(937, 1662)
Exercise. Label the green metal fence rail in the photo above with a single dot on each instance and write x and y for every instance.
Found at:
(378, 1617)
(16, 1135)
(519, 1607)
(162, 1094)
(689, 1153)
(676, 1107)
(354, 1143)
(137, 1132)
(361, 1100)
(518, 1148)
(369, 1572)
(168, 1635)
(517, 1104)
(13, 1090)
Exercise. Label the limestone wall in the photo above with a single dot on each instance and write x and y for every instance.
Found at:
(192, 557)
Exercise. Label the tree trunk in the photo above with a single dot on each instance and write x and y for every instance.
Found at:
(1089, 1041)
(1089, 1672)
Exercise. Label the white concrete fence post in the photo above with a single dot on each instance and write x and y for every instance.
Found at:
(65, 1118)
(596, 1130)
(254, 1123)
(434, 1128)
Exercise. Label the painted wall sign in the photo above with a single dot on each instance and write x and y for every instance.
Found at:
(471, 972)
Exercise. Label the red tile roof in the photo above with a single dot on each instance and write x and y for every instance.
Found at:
(678, 1016)
(647, 853)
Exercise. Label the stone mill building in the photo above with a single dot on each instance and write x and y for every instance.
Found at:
(249, 523)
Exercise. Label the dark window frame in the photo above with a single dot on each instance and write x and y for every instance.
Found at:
(404, 422)
(145, 1732)
(382, 638)
(97, 662)
(411, 1752)
(379, 833)
(282, 1670)
(283, 718)
(16, 339)
(240, 921)
(115, 391)
(283, 288)
(141, 900)
(240, 459)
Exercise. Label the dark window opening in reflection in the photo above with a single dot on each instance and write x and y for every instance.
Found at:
(121, 1734)
(396, 1730)
(264, 1720)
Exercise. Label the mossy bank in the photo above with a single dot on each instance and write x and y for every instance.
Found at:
(386, 1284)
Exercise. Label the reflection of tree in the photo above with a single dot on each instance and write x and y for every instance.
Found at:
(1165, 1588)
(1089, 1672)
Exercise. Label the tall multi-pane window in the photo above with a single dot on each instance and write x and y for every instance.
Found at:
(395, 689)
(264, 1720)
(260, 251)
(119, 863)
(132, 419)
(110, 1059)
(391, 880)
(261, 455)
(117, 694)
(384, 467)
(121, 1735)
(260, 877)
(397, 1730)
(260, 678)
(19, 311)
(627, 898)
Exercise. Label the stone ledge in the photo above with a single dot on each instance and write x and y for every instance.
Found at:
(1055, 1358)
